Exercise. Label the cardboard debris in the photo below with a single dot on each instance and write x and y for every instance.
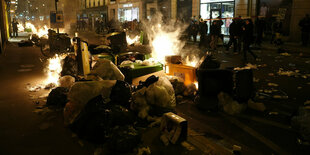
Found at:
(273, 84)
(248, 66)
(144, 151)
(285, 54)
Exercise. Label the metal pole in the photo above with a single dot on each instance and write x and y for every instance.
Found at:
(56, 1)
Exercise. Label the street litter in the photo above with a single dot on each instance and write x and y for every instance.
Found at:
(285, 54)
(248, 66)
(230, 106)
(273, 84)
(301, 122)
(307, 102)
(256, 106)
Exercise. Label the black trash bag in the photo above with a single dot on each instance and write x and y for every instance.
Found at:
(58, 97)
(124, 139)
(93, 122)
(25, 43)
(121, 94)
(150, 80)
(120, 115)
(70, 66)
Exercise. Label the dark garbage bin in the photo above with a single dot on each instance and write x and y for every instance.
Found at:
(244, 87)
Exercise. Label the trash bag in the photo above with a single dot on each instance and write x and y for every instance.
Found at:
(120, 115)
(301, 122)
(81, 92)
(121, 94)
(70, 66)
(159, 94)
(57, 97)
(66, 81)
(93, 123)
(124, 139)
(229, 105)
(107, 70)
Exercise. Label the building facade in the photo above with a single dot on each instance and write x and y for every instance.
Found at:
(4, 24)
(91, 10)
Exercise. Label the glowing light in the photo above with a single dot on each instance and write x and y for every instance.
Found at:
(191, 62)
(42, 32)
(132, 41)
(196, 85)
(53, 70)
(21, 28)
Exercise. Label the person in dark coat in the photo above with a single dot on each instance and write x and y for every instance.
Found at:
(15, 28)
(194, 29)
(305, 29)
(215, 32)
(234, 32)
(260, 28)
(248, 38)
(203, 29)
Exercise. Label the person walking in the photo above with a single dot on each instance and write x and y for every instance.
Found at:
(203, 29)
(234, 32)
(305, 29)
(248, 39)
(215, 32)
(194, 30)
(15, 28)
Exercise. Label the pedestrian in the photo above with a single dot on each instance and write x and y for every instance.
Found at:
(83, 23)
(260, 28)
(15, 28)
(276, 29)
(305, 29)
(248, 39)
(203, 29)
(194, 30)
(215, 32)
(234, 32)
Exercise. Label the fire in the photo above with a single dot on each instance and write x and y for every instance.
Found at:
(54, 69)
(132, 41)
(196, 85)
(164, 43)
(42, 32)
(21, 28)
(191, 62)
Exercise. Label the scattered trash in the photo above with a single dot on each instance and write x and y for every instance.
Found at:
(164, 139)
(66, 81)
(248, 66)
(107, 70)
(190, 90)
(307, 102)
(256, 106)
(188, 146)
(149, 62)
(273, 84)
(291, 64)
(58, 97)
(255, 80)
(174, 128)
(271, 74)
(237, 149)
(82, 92)
(123, 139)
(159, 94)
(70, 66)
(144, 151)
(285, 54)
(288, 73)
(230, 106)
(280, 97)
(299, 87)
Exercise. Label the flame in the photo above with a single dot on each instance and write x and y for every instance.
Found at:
(21, 28)
(191, 62)
(196, 85)
(41, 32)
(132, 41)
(54, 69)
(165, 41)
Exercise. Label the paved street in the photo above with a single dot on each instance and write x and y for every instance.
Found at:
(266, 132)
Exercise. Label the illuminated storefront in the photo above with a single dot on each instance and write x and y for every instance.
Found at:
(210, 9)
(128, 12)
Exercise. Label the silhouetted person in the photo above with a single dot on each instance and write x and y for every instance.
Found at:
(234, 33)
(248, 38)
(203, 29)
(215, 32)
(260, 28)
(305, 29)
(15, 28)
(194, 30)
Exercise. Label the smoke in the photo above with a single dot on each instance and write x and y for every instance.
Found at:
(70, 9)
(164, 36)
